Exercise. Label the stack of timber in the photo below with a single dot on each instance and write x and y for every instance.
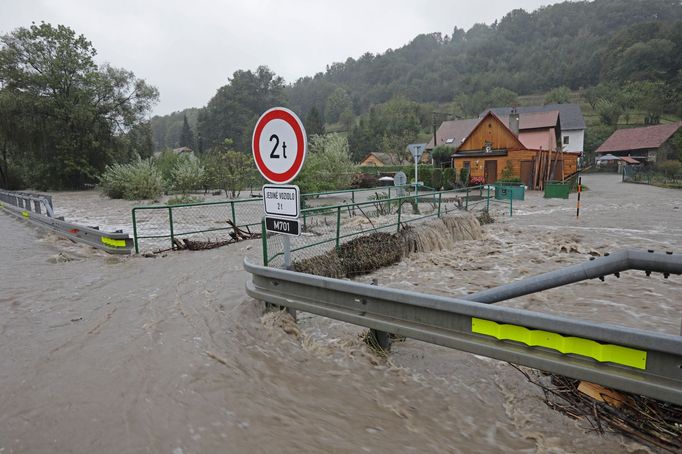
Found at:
(546, 168)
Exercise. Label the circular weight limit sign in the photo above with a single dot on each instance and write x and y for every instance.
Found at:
(279, 145)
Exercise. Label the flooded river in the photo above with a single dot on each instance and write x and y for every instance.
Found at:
(127, 355)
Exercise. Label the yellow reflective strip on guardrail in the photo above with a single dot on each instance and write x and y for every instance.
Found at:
(112, 242)
(25, 214)
(574, 345)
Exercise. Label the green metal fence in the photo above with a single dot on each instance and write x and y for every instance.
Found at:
(156, 227)
(648, 175)
(327, 227)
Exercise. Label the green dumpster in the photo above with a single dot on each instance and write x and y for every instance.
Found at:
(557, 190)
(517, 191)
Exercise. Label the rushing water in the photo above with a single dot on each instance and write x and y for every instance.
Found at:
(167, 354)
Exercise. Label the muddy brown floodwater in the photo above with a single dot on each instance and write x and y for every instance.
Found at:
(128, 355)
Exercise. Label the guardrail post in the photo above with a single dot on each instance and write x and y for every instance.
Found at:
(338, 226)
(379, 339)
(264, 240)
(170, 222)
(137, 249)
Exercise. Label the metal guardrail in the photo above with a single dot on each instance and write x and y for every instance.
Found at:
(30, 208)
(29, 201)
(629, 259)
(632, 360)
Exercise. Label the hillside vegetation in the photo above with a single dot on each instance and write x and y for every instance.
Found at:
(621, 59)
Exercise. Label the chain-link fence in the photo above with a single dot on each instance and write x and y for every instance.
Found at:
(159, 227)
(325, 228)
(330, 217)
(647, 175)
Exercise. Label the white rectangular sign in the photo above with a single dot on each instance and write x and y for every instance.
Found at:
(282, 200)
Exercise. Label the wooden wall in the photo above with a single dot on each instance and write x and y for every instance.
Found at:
(570, 162)
(490, 129)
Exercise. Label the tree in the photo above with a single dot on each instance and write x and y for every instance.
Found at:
(441, 155)
(559, 95)
(186, 135)
(229, 170)
(609, 111)
(337, 103)
(69, 116)
(670, 168)
(328, 165)
(313, 123)
(235, 108)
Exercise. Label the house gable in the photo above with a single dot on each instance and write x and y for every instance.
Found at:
(490, 131)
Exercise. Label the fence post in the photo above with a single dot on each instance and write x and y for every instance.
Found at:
(137, 249)
(466, 206)
(440, 198)
(338, 226)
(170, 222)
(264, 240)
(352, 197)
(400, 210)
(234, 216)
(511, 203)
(487, 200)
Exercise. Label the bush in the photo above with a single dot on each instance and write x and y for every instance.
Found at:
(476, 181)
(437, 178)
(183, 200)
(135, 181)
(187, 175)
(425, 173)
(670, 168)
(464, 176)
(449, 178)
(328, 165)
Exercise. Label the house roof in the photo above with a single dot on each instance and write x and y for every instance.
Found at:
(538, 120)
(387, 158)
(638, 138)
(571, 115)
(496, 117)
(452, 133)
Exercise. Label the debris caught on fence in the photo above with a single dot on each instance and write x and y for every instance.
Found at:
(485, 218)
(646, 420)
(237, 234)
(376, 250)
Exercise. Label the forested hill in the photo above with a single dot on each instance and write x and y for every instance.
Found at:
(572, 44)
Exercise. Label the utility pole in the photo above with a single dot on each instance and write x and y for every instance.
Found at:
(436, 120)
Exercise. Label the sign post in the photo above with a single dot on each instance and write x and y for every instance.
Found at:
(416, 152)
(279, 146)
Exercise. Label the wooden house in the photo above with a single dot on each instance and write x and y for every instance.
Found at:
(491, 146)
(379, 159)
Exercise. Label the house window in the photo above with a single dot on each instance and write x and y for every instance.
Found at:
(565, 140)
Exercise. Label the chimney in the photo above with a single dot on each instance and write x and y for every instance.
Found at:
(514, 121)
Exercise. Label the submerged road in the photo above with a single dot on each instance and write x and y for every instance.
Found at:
(127, 355)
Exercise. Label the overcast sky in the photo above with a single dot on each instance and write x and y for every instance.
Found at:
(189, 49)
